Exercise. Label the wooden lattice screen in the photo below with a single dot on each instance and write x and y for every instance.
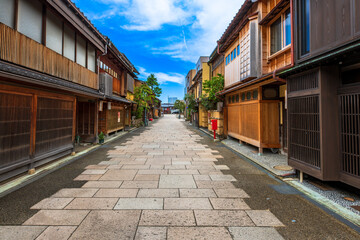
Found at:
(304, 129)
(53, 125)
(15, 124)
(350, 133)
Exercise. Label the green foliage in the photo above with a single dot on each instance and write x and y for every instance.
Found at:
(179, 105)
(139, 112)
(191, 103)
(101, 136)
(143, 95)
(209, 99)
(152, 82)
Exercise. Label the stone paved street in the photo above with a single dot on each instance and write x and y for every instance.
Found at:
(164, 183)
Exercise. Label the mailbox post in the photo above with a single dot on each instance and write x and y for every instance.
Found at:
(214, 127)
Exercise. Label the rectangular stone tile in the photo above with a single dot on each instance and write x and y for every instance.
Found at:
(57, 217)
(179, 162)
(95, 167)
(57, 233)
(156, 167)
(153, 171)
(255, 233)
(214, 184)
(109, 162)
(87, 177)
(183, 172)
(264, 218)
(94, 171)
(222, 218)
(197, 193)
(119, 175)
(52, 203)
(201, 167)
(147, 177)
(156, 161)
(176, 181)
(140, 203)
(158, 193)
(116, 193)
(75, 192)
(92, 203)
(108, 224)
(140, 184)
(202, 177)
(219, 177)
(177, 233)
(175, 167)
(187, 203)
(229, 203)
(167, 218)
(151, 233)
(20, 232)
(102, 184)
(231, 193)
(114, 166)
(132, 162)
(221, 167)
(134, 166)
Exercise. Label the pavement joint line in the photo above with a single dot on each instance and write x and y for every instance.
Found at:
(342, 214)
(20, 182)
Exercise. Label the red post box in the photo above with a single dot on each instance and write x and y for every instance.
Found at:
(214, 127)
(214, 124)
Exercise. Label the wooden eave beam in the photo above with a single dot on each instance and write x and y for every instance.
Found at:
(274, 12)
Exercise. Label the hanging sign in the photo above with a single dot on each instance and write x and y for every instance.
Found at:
(118, 117)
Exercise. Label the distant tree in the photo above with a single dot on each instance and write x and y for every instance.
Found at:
(153, 83)
(211, 87)
(143, 95)
(191, 103)
(179, 105)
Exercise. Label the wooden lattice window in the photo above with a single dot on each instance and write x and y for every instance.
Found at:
(245, 56)
(350, 133)
(304, 82)
(304, 129)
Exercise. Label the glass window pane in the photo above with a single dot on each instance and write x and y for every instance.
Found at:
(305, 26)
(287, 28)
(275, 32)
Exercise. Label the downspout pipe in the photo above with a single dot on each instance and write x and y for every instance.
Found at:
(292, 48)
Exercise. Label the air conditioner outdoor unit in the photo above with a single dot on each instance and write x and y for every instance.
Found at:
(106, 84)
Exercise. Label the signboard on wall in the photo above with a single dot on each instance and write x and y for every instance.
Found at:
(118, 117)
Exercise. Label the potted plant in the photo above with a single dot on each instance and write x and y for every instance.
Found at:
(101, 137)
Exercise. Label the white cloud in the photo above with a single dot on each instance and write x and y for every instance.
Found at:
(162, 78)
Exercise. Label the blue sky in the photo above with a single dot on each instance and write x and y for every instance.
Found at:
(164, 37)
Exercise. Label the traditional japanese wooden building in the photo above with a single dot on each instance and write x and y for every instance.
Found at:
(256, 44)
(49, 82)
(324, 90)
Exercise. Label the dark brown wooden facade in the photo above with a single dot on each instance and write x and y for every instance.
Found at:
(49, 83)
(323, 91)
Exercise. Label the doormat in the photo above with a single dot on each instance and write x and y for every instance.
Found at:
(283, 168)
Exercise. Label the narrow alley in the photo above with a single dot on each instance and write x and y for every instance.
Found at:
(165, 181)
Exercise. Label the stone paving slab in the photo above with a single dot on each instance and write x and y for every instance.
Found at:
(88, 177)
(21, 232)
(57, 233)
(167, 218)
(226, 218)
(177, 181)
(75, 192)
(255, 233)
(119, 175)
(187, 203)
(158, 193)
(231, 193)
(151, 233)
(102, 184)
(92, 203)
(147, 177)
(195, 193)
(108, 224)
(57, 217)
(264, 218)
(229, 203)
(140, 184)
(52, 203)
(116, 193)
(140, 203)
(204, 233)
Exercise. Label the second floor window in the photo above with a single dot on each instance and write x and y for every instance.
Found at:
(280, 32)
(305, 26)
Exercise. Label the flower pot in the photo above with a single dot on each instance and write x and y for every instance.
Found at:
(101, 141)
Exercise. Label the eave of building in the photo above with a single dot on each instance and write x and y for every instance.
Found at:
(236, 25)
(325, 58)
(242, 84)
(274, 12)
(75, 17)
(115, 55)
(118, 99)
(213, 55)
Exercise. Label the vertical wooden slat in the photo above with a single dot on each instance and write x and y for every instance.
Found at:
(33, 125)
